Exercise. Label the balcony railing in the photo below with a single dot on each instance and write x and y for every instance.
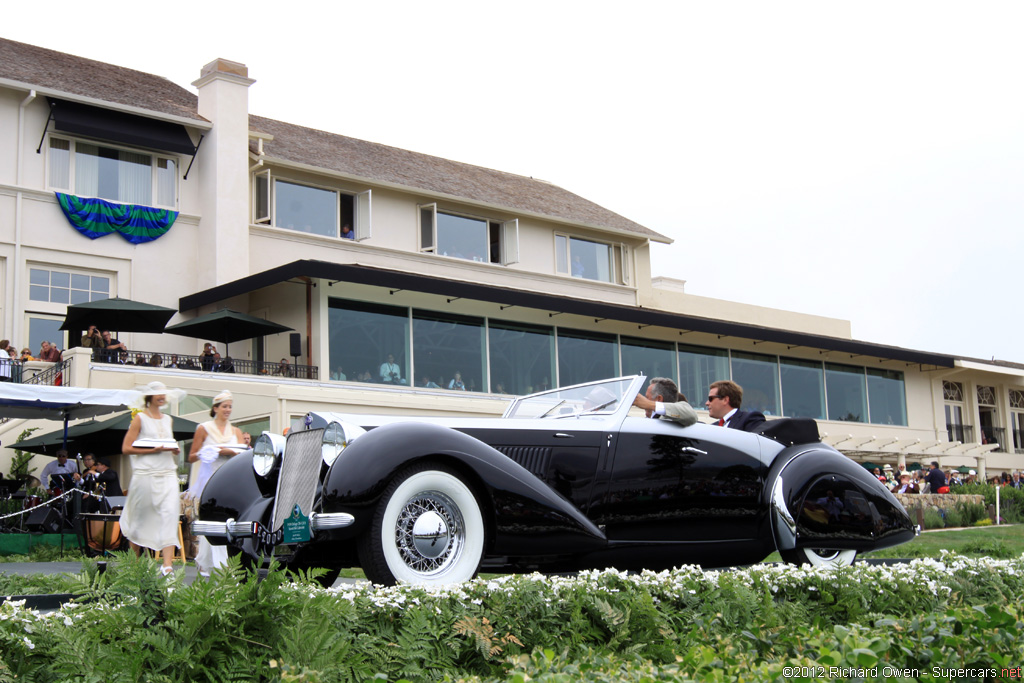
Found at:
(961, 433)
(994, 435)
(34, 372)
(1018, 440)
(56, 375)
(227, 364)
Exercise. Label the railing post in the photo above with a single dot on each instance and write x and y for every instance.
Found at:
(79, 373)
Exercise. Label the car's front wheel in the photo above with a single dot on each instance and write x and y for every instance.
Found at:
(427, 529)
(820, 557)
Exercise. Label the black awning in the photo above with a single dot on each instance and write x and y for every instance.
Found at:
(380, 277)
(117, 126)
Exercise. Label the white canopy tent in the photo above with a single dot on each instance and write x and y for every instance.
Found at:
(40, 402)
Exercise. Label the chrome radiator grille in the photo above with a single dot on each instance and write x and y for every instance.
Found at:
(300, 470)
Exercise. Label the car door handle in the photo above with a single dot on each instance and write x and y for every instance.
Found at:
(691, 449)
(563, 435)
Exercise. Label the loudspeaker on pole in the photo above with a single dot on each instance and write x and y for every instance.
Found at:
(295, 340)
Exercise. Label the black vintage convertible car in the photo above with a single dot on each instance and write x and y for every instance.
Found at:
(564, 480)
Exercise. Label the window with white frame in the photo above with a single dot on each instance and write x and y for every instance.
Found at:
(66, 287)
(90, 169)
(309, 208)
(468, 237)
(591, 260)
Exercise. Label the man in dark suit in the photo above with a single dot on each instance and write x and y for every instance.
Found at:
(107, 480)
(723, 404)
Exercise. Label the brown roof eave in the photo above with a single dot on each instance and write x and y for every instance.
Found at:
(198, 122)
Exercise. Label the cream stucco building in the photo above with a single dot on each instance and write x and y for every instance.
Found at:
(369, 251)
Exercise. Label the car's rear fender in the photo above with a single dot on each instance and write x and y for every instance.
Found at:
(526, 517)
(866, 517)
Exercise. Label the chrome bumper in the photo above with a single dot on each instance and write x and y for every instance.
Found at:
(232, 529)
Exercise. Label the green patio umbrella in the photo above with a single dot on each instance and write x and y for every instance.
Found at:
(121, 315)
(226, 326)
(963, 469)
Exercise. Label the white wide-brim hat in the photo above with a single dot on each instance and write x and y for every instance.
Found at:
(157, 388)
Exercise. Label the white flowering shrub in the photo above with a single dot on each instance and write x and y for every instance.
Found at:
(759, 623)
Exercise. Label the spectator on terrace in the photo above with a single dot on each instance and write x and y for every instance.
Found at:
(935, 477)
(49, 353)
(206, 359)
(905, 485)
(1015, 481)
(457, 384)
(113, 347)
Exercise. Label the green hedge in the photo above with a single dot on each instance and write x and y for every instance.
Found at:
(686, 624)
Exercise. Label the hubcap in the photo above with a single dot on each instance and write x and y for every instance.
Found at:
(430, 535)
(429, 532)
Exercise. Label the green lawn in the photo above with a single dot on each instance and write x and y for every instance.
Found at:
(999, 542)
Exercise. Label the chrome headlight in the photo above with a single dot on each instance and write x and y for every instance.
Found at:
(266, 451)
(337, 436)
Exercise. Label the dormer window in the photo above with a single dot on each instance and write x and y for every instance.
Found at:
(468, 237)
(591, 260)
(307, 208)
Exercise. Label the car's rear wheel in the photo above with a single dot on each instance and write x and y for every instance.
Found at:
(427, 529)
(820, 557)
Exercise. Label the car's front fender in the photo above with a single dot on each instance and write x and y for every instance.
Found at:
(525, 516)
(799, 485)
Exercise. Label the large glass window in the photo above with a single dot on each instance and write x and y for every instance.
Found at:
(803, 388)
(699, 366)
(448, 350)
(758, 374)
(369, 342)
(585, 357)
(306, 209)
(522, 357)
(42, 329)
(887, 399)
(118, 175)
(646, 357)
(63, 287)
(846, 392)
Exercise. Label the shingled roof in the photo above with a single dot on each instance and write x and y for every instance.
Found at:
(64, 73)
(435, 175)
(37, 66)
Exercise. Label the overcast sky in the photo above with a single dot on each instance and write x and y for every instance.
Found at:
(859, 160)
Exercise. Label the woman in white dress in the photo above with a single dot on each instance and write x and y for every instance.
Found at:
(153, 508)
(206, 448)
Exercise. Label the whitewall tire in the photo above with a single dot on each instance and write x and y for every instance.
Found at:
(820, 557)
(427, 529)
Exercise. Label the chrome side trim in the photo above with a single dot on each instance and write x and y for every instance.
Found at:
(785, 525)
(325, 521)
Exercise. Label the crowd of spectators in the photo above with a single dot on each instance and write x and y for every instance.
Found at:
(936, 480)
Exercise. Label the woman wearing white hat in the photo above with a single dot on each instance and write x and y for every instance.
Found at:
(213, 444)
(153, 508)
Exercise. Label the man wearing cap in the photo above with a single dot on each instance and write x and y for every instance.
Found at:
(905, 485)
(107, 481)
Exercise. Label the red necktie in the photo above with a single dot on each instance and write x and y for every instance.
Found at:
(721, 422)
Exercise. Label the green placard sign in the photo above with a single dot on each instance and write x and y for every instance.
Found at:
(296, 527)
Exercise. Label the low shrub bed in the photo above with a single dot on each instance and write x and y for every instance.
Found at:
(760, 623)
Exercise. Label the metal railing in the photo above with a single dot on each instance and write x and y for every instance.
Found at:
(994, 435)
(227, 364)
(961, 433)
(1018, 440)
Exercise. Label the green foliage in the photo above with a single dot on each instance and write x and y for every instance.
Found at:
(132, 624)
(954, 518)
(933, 519)
(971, 512)
(20, 461)
(983, 522)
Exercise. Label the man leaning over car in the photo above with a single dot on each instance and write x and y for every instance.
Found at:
(664, 400)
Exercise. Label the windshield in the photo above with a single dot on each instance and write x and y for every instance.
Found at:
(595, 398)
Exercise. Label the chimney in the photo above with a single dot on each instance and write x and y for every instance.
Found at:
(223, 165)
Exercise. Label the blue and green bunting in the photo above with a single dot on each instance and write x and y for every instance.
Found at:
(96, 218)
